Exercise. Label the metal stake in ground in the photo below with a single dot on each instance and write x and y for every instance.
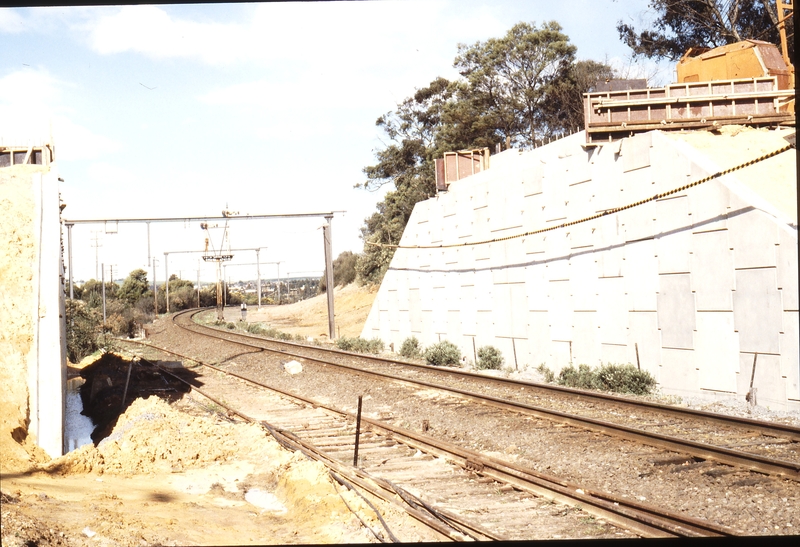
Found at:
(127, 379)
(358, 431)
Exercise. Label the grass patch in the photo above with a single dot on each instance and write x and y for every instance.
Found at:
(359, 345)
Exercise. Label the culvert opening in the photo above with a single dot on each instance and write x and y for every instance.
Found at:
(113, 382)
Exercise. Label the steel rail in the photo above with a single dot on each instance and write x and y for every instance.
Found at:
(765, 428)
(736, 458)
(640, 518)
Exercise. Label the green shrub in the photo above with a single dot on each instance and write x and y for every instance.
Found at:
(609, 377)
(583, 377)
(230, 326)
(443, 354)
(489, 358)
(359, 345)
(411, 348)
(547, 374)
(626, 379)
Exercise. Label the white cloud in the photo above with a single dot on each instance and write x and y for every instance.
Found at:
(32, 110)
(11, 21)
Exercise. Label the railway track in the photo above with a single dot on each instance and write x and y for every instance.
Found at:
(770, 448)
(463, 494)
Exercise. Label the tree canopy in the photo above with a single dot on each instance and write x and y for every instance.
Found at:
(134, 286)
(682, 24)
(519, 90)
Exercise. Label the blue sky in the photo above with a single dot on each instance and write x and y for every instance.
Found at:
(184, 110)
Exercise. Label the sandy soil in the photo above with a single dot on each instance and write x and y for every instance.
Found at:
(309, 318)
(177, 475)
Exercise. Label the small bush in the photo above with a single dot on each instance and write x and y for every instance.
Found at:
(230, 326)
(359, 345)
(609, 377)
(546, 373)
(411, 348)
(443, 354)
(626, 379)
(489, 358)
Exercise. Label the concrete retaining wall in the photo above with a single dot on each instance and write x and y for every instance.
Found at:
(699, 281)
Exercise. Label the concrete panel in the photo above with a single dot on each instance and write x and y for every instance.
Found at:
(506, 348)
(533, 211)
(502, 305)
(612, 311)
(560, 311)
(712, 271)
(582, 236)
(708, 205)
(609, 261)
(676, 311)
(787, 269)
(635, 152)
(585, 346)
(559, 355)
(483, 290)
(404, 323)
(668, 164)
(577, 166)
(483, 252)
(518, 310)
(672, 251)
(427, 328)
(435, 226)
(415, 309)
(790, 354)
(422, 211)
(770, 385)
(538, 336)
(486, 324)
(643, 330)
(532, 172)
(753, 236)
(606, 187)
(536, 287)
(516, 258)
(392, 305)
(614, 354)
(757, 310)
(716, 351)
(583, 281)
(498, 260)
(640, 271)
(535, 244)
(468, 311)
(453, 325)
(556, 193)
(479, 195)
(639, 222)
(673, 214)
(580, 200)
(558, 253)
(678, 374)
(480, 224)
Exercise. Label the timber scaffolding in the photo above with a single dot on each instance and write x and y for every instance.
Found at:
(612, 115)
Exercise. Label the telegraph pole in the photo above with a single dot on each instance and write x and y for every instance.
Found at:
(155, 288)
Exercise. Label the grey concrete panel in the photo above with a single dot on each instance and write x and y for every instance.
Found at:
(435, 228)
(716, 351)
(787, 268)
(404, 323)
(392, 306)
(498, 260)
(560, 311)
(614, 354)
(585, 345)
(518, 310)
(678, 374)
(712, 271)
(612, 311)
(582, 236)
(753, 236)
(427, 327)
(453, 326)
(516, 259)
(676, 311)
(533, 212)
(635, 152)
(480, 195)
(557, 247)
(502, 305)
(790, 354)
(708, 205)
(556, 196)
(558, 268)
(757, 310)
(673, 214)
(535, 244)
(422, 211)
(426, 293)
(643, 330)
(480, 225)
(770, 385)
(640, 270)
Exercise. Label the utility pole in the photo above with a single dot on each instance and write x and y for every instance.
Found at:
(155, 288)
(166, 276)
(69, 252)
(103, 281)
(258, 275)
(96, 246)
(326, 234)
(198, 283)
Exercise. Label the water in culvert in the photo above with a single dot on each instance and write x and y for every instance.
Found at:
(77, 427)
